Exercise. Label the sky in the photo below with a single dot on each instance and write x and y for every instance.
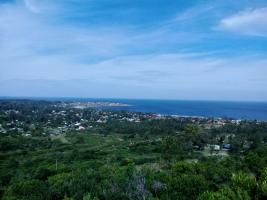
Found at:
(152, 49)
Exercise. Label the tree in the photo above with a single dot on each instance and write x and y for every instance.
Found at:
(245, 182)
(186, 187)
(27, 190)
(89, 197)
(263, 184)
(225, 194)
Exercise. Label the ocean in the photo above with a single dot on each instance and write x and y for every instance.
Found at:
(223, 109)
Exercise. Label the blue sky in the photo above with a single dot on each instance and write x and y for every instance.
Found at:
(163, 49)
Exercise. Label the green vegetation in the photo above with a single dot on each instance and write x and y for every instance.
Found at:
(148, 159)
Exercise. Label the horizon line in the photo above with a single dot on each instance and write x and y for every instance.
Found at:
(122, 98)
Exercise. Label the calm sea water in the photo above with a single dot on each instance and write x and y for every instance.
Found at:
(234, 110)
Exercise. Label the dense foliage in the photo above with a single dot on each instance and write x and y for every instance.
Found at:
(167, 158)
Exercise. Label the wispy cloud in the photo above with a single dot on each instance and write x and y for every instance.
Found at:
(25, 32)
(32, 7)
(249, 22)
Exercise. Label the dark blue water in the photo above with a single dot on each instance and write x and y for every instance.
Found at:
(234, 110)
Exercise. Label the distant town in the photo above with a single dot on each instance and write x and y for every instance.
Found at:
(61, 117)
(96, 104)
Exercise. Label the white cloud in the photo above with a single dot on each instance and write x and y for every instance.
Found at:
(249, 22)
(26, 34)
(196, 12)
(31, 6)
(27, 30)
(177, 76)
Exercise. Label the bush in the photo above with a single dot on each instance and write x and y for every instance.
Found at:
(27, 190)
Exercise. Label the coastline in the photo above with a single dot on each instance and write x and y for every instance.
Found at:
(195, 109)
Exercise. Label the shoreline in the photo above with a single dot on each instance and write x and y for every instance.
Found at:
(202, 110)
